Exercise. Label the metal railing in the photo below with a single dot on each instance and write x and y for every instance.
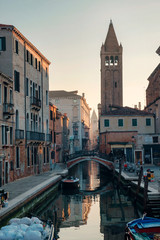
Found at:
(88, 153)
(35, 101)
(48, 137)
(19, 134)
(35, 136)
(8, 108)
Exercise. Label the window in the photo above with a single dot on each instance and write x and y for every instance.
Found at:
(17, 119)
(134, 122)
(51, 115)
(106, 122)
(35, 63)
(44, 154)
(28, 157)
(27, 122)
(16, 81)
(116, 61)
(46, 97)
(36, 117)
(31, 59)
(0, 94)
(11, 96)
(32, 155)
(11, 135)
(27, 87)
(120, 122)
(148, 122)
(3, 134)
(115, 84)
(28, 56)
(106, 61)
(39, 92)
(155, 139)
(17, 157)
(16, 46)
(47, 154)
(31, 121)
(39, 66)
(47, 127)
(2, 44)
(5, 130)
(39, 124)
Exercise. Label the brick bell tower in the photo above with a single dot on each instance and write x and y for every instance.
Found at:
(111, 72)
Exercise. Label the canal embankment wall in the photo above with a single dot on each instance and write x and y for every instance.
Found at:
(147, 199)
(28, 193)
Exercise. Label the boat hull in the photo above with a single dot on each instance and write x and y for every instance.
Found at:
(142, 228)
(70, 183)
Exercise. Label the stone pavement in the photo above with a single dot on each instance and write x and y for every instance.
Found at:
(25, 189)
(22, 185)
(153, 184)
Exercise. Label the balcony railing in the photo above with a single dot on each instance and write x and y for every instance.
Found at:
(8, 108)
(19, 134)
(48, 137)
(35, 136)
(35, 101)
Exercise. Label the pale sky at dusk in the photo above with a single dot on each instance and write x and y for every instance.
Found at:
(70, 34)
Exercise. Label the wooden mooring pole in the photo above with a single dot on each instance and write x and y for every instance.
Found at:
(139, 182)
(145, 192)
(120, 169)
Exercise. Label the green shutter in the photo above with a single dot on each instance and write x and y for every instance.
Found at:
(3, 44)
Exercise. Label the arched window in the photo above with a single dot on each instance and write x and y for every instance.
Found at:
(106, 61)
(111, 60)
(116, 61)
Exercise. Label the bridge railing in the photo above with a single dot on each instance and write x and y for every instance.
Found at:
(88, 153)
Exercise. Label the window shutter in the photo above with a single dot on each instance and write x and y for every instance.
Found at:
(3, 43)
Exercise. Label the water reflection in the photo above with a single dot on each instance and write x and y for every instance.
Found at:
(98, 211)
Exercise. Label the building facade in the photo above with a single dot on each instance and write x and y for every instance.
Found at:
(153, 95)
(59, 132)
(94, 131)
(7, 130)
(111, 72)
(29, 69)
(78, 112)
(119, 129)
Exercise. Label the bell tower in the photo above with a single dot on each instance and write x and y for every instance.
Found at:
(111, 72)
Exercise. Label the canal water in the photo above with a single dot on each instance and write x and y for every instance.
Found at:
(98, 210)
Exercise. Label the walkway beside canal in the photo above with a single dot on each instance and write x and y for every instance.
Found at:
(23, 190)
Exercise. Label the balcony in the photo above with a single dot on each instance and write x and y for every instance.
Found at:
(8, 109)
(19, 134)
(35, 103)
(35, 136)
(48, 137)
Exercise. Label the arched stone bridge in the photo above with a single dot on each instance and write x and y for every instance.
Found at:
(89, 156)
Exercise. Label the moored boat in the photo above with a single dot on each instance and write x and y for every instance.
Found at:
(70, 182)
(142, 228)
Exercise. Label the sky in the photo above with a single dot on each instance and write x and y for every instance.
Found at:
(70, 34)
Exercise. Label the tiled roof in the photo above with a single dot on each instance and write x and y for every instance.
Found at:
(127, 111)
(63, 94)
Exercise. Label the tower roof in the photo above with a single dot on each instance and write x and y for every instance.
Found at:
(111, 42)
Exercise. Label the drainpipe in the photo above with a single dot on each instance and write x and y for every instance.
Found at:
(42, 96)
(25, 86)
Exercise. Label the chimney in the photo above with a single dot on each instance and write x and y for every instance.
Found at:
(139, 105)
(83, 95)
